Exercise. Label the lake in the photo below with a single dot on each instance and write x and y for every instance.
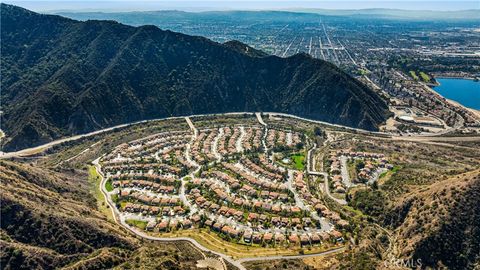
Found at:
(465, 92)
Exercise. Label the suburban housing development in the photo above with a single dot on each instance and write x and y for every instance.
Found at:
(246, 181)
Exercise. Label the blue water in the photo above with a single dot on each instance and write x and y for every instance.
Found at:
(465, 92)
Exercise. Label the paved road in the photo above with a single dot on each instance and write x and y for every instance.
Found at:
(327, 190)
(298, 200)
(265, 132)
(41, 148)
(325, 177)
(215, 145)
(236, 263)
(280, 257)
(238, 143)
(344, 171)
(118, 220)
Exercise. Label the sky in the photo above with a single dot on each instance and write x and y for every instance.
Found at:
(197, 5)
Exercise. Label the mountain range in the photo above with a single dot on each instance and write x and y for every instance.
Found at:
(62, 77)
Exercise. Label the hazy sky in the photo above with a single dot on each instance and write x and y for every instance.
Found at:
(196, 5)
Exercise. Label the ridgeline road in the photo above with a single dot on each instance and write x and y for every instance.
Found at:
(39, 149)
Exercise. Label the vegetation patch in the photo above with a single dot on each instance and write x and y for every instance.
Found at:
(299, 161)
(108, 185)
(137, 223)
(414, 75)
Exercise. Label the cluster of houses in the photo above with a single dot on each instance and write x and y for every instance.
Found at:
(247, 199)
(303, 190)
(372, 163)
(154, 210)
(274, 175)
(212, 197)
(202, 148)
(280, 137)
(228, 147)
(252, 139)
(273, 237)
(169, 224)
(245, 235)
(151, 145)
(257, 182)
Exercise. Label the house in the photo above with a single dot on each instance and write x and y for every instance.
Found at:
(195, 218)
(186, 224)
(209, 223)
(285, 221)
(257, 238)
(307, 221)
(230, 212)
(342, 223)
(173, 224)
(336, 234)
(247, 236)
(315, 239)
(252, 217)
(295, 209)
(276, 221)
(234, 233)
(166, 211)
(293, 238)
(154, 210)
(267, 237)
(320, 207)
(226, 229)
(324, 236)
(295, 221)
(279, 238)
(151, 225)
(304, 239)
(217, 226)
(263, 218)
(238, 215)
(162, 226)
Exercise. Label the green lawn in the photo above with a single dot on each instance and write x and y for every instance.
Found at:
(299, 161)
(424, 76)
(137, 223)
(94, 179)
(108, 185)
(413, 74)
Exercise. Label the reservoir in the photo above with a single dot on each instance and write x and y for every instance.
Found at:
(463, 91)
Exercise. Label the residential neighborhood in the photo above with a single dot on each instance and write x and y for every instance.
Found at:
(226, 179)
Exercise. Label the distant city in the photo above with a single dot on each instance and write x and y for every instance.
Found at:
(396, 52)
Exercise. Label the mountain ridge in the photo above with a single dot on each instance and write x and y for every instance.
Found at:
(63, 77)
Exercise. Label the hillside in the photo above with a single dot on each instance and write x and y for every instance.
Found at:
(49, 221)
(429, 205)
(62, 77)
(442, 225)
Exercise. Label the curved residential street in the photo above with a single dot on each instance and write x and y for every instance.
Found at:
(237, 263)
(324, 174)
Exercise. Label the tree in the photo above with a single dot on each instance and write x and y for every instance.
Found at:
(299, 145)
